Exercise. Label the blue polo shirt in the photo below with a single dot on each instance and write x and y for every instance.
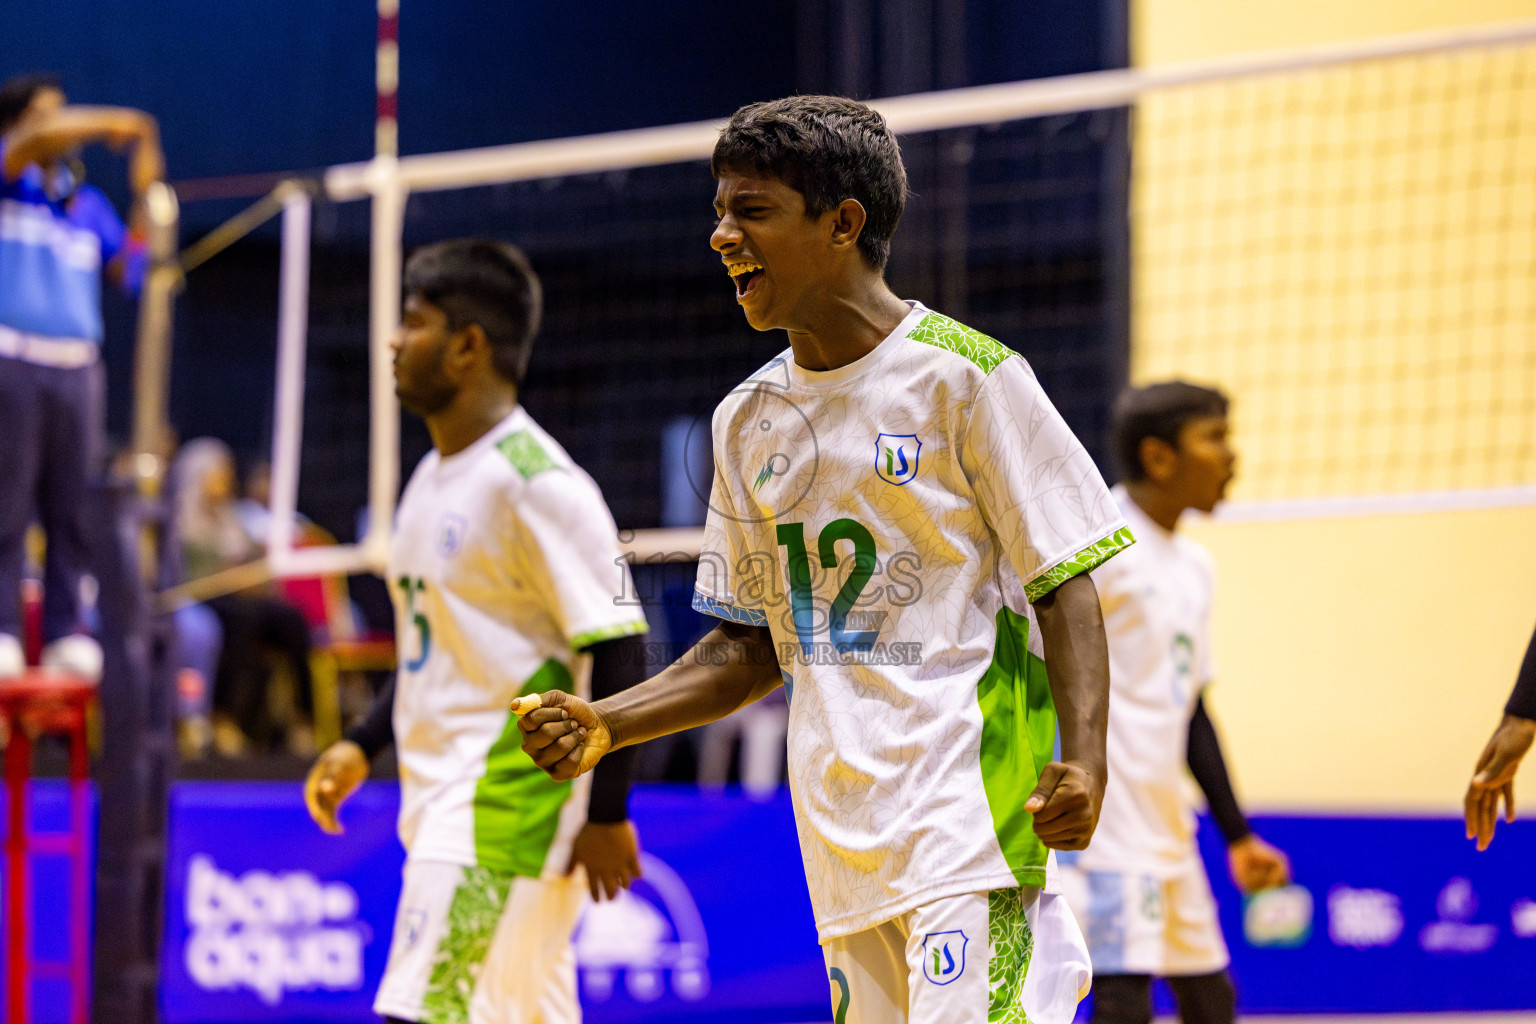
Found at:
(51, 255)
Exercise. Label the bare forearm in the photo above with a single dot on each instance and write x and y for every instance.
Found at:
(74, 126)
(1077, 664)
(731, 667)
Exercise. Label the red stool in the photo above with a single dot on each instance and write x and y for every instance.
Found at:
(37, 702)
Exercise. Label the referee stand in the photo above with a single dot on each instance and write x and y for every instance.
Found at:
(45, 702)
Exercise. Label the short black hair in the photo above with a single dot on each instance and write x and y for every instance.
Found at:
(827, 148)
(480, 281)
(1158, 410)
(17, 93)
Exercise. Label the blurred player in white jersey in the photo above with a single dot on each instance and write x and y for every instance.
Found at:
(1139, 889)
(506, 575)
(900, 531)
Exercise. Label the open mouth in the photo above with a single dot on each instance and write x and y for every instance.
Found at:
(744, 275)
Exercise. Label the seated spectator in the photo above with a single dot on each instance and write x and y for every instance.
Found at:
(259, 631)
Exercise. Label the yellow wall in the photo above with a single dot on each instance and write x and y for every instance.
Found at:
(1362, 661)
(1166, 31)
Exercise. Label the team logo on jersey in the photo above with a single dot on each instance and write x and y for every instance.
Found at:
(896, 457)
(450, 534)
(944, 956)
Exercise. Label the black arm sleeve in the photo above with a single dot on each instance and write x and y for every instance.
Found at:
(1522, 702)
(1210, 771)
(616, 665)
(377, 730)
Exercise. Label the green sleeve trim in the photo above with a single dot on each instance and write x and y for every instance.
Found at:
(597, 636)
(525, 453)
(1091, 557)
(940, 331)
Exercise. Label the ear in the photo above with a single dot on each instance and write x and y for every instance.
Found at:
(1158, 459)
(847, 224)
(468, 347)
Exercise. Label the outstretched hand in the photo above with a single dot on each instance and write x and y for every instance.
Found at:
(1494, 778)
(611, 855)
(1066, 805)
(337, 772)
(1256, 864)
(565, 736)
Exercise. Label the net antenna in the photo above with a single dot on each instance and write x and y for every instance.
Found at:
(388, 181)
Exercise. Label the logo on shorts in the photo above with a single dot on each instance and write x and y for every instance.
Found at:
(412, 922)
(896, 457)
(450, 534)
(944, 956)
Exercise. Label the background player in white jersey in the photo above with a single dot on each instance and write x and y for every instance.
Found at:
(1139, 889)
(506, 576)
(899, 533)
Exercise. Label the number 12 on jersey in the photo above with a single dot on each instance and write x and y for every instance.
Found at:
(802, 601)
(409, 589)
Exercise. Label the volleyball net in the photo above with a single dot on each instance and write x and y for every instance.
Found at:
(1342, 238)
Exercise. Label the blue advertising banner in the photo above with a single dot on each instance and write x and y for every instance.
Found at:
(268, 919)
(1387, 915)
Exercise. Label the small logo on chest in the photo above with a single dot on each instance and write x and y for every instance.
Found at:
(450, 534)
(896, 457)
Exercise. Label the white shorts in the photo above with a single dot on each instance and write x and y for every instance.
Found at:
(474, 946)
(1148, 924)
(1010, 955)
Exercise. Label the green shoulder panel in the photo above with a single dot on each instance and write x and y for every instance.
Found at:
(940, 331)
(526, 454)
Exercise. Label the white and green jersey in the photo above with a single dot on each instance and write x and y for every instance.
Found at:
(505, 564)
(890, 522)
(1157, 618)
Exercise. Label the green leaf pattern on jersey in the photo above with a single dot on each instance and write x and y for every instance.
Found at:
(1012, 946)
(940, 331)
(472, 919)
(516, 804)
(526, 454)
(1091, 557)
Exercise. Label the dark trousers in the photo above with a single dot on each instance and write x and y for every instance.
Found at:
(257, 630)
(50, 439)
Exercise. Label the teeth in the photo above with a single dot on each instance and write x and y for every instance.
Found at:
(737, 269)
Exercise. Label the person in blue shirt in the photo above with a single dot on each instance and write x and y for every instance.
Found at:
(58, 236)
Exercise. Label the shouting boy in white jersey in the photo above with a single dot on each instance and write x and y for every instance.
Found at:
(899, 533)
(506, 576)
(1139, 889)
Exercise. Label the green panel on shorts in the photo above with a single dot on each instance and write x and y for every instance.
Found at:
(472, 918)
(517, 806)
(1018, 737)
(1012, 946)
